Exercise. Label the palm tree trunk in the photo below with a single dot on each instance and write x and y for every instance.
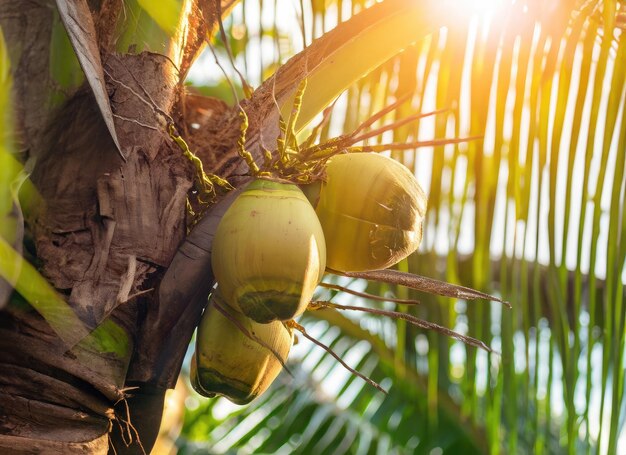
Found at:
(112, 222)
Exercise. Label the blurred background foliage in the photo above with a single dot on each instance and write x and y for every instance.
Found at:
(533, 211)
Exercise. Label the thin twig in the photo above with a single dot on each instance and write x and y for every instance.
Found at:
(131, 426)
(367, 295)
(149, 102)
(137, 122)
(217, 62)
(121, 430)
(317, 128)
(112, 446)
(301, 329)
(409, 145)
(421, 283)
(410, 319)
(378, 115)
(396, 124)
(137, 294)
(302, 24)
(246, 87)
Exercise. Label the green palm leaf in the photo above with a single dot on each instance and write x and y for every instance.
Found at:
(533, 211)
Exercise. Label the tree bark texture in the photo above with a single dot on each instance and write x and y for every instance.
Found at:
(108, 230)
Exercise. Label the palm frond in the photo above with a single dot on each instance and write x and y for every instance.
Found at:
(322, 409)
(534, 212)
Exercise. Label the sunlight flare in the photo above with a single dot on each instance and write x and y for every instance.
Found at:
(478, 7)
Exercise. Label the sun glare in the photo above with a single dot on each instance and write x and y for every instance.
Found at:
(485, 5)
(479, 7)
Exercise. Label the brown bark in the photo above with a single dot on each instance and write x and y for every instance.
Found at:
(108, 230)
(48, 396)
(29, 23)
(21, 446)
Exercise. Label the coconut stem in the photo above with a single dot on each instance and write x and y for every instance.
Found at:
(406, 317)
(366, 295)
(301, 329)
(420, 283)
(396, 124)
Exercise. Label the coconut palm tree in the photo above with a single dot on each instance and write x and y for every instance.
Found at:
(111, 274)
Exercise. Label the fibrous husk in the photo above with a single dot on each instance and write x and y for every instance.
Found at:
(269, 252)
(371, 209)
(235, 356)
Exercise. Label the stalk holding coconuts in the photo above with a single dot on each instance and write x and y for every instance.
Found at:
(235, 356)
(269, 252)
(371, 209)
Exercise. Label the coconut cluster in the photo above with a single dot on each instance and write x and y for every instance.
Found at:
(270, 252)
